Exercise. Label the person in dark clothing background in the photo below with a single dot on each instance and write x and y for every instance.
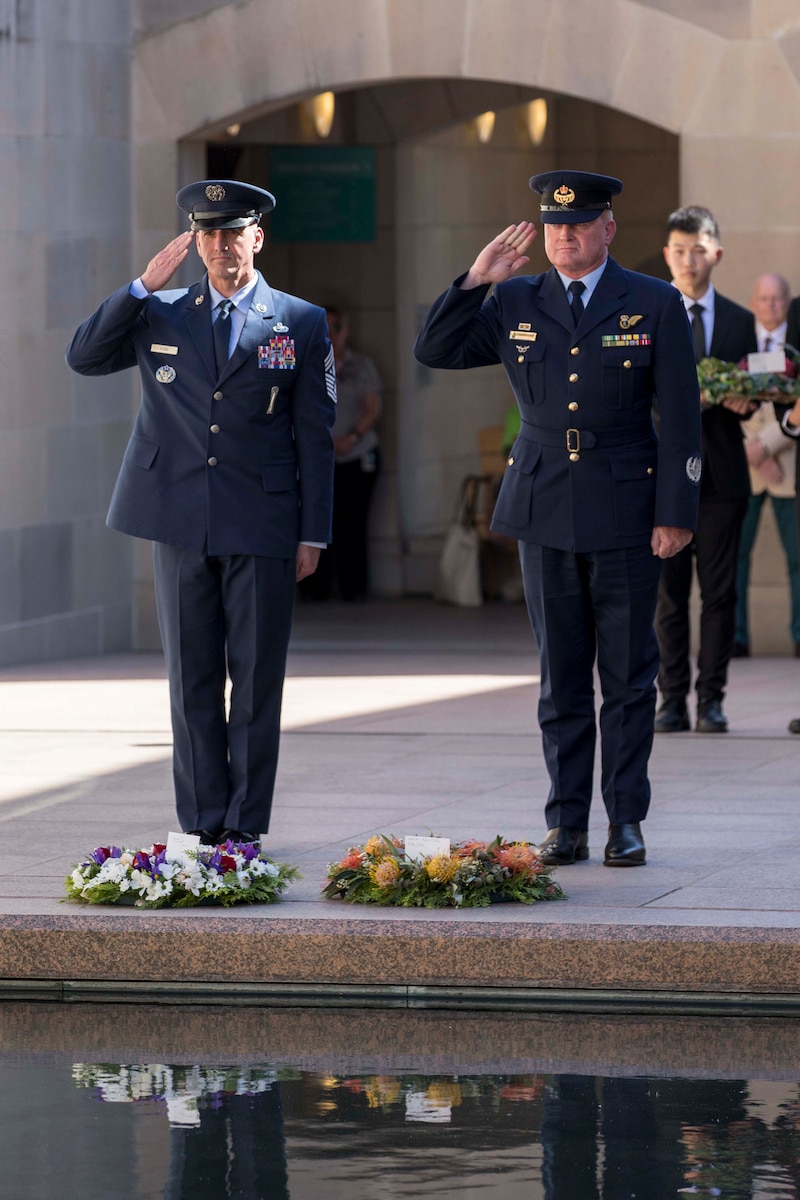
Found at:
(720, 329)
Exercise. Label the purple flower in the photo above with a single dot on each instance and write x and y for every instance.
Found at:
(214, 859)
(141, 861)
(100, 855)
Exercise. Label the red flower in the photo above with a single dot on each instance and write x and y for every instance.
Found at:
(227, 863)
(159, 847)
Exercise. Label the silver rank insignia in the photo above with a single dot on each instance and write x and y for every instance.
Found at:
(165, 374)
(280, 328)
(694, 468)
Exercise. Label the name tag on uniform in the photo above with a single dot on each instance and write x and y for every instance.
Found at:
(157, 348)
(279, 354)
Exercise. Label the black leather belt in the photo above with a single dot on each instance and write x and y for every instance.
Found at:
(575, 440)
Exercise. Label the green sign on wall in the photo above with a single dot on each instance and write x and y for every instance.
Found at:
(324, 193)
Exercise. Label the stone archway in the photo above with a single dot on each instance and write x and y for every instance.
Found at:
(726, 82)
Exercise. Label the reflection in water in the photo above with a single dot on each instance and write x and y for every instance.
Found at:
(561, 1137)
(372, 1116)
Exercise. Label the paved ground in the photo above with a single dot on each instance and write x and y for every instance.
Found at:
(409, 718)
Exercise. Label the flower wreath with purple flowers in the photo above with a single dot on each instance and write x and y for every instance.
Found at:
(231, 873)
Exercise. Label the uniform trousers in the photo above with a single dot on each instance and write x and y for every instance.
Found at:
(586, 607)
(220, 616)
(715, 552)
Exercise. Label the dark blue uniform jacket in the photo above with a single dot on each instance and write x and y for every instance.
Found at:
(587, 472)
(235, 463)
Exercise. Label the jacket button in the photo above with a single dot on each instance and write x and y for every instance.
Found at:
(574, 457)
(649, 470)
(212, 462)
(511, 462)
(573, 406)
(215, 428)
(575, 350)
(574, 378)
(217, 395)
(627, 364)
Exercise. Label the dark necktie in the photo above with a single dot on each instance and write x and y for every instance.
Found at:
(577, 287)
(698, 332)
(767, 344)
(222, 333)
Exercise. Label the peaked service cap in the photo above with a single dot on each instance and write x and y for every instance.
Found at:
(572, 197)
(224, 203)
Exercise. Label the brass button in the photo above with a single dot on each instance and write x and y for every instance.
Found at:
(574, 378)
(649, 470)
(215, 428)
(627, 364)
(573, 406)
(511, 462)
(212, 462)
(520, 358)
(217, 395)
(574, 457)
(575, 350)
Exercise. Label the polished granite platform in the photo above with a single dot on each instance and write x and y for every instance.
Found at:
(404, 718)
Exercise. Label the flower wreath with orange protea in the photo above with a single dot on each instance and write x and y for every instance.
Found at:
(473, 875)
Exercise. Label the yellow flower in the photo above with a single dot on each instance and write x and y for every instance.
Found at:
(376, 847)
(444, 1092)
(442, 867)
(383, 1090)
(385, 873)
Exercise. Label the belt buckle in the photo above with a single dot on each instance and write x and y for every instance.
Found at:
(573, 441)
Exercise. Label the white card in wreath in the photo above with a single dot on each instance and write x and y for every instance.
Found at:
(769, 362)
(417, 848)
(178, 844)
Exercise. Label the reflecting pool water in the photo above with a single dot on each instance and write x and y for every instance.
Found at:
(141, 1101)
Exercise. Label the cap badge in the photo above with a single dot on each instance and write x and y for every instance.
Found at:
(626, 322)
(564, 195)
(215, 191)
(165, 374)
(694, 468)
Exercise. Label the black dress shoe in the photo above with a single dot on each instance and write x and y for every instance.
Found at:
(563, 846)
(740, 650)
(672, 717)
(794, 725)
(711, 718)
(207, 838)
(239, 836)
(625, 846)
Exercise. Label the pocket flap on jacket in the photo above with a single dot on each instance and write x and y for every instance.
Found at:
(524, 456)
(141, 452)
(279, 477)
